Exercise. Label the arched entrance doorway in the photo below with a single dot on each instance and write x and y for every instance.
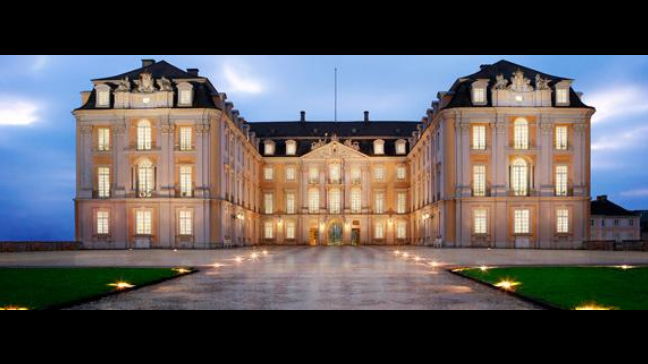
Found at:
(335, 233)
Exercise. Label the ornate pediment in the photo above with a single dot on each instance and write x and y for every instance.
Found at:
(335, 150)
(519, 82)
(146, 83)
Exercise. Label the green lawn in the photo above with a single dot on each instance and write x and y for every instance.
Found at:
(43, 288)
(569, 288)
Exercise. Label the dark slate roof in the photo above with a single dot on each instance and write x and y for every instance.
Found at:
(203, 89)
(604, 207)
(461, 90)
(306, 133)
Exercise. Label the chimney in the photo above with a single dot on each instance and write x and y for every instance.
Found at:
(303, 117)
(602, 198)
(366, 116)
(193, 71)
(147, 62)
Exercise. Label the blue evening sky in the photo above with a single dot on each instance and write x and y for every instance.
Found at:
(38, 93)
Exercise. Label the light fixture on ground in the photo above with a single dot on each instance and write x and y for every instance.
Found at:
(121, 286)
(508, 285)
(13, 308)
(238, 260)
(182, 270)
(593, 307)
(625, 267)
(484, 268)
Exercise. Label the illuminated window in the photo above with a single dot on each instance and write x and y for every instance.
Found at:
(562, 135)
(186, 223)
(186, 181)
(269, 203)
(356, 201)
(291, 147)
(521, 134)
(562, 180)
(144, 222)
(401, 147)
(379, 173)
(185, 98)
(479, 181)
(380, 231)
(104, 139)
(313, 201)
(335, 201)
(563, 221)
(520, 177)
(335, 174)
(144, 136)
(313, 175)
(522, 222)
(402, 203)
(481, 222)
(103, 181)
(356, 175)
(380, 203)
(186, 142)
(379, 147)
(103, 98)
(479, 95)
(291, 230)
(401, 230)
(146, 178)
(401, 173)
(103, 223)
(291, 174)
(479, 137)
(290, 204)
(268, 174)
(268, 232)
(269, 147)
(562, 96)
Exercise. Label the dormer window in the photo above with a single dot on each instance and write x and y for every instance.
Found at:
(269, 147)
(379, 147)
(103, 96)
(185, 95)
(291, 147)
(401, 147)
(479, 93)
(563, 90)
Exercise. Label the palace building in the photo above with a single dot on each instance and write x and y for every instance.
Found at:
(165, 161)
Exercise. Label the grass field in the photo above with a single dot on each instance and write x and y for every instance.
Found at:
(572, 288)
(42, 288)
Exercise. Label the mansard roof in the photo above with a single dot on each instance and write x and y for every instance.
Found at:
(461, 90)
(604, 207)
(158, 70)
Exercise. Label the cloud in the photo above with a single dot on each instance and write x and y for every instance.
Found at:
(616, 102)
(628, 139)
(17, 112)
(635, 193)
(241, 81)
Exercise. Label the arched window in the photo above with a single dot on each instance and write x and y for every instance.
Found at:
(521, 134)
(520, 177)
(146, 178)
(144, 138)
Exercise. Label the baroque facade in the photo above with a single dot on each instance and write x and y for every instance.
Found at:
(501, 160)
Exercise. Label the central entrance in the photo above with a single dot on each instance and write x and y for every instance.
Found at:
(335, 233)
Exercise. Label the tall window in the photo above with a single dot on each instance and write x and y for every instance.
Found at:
(104, 139)
(103, 223)
(520, 177)
(291, 230)
(380, 231)
(290, 203)
(479, 137)
(562, 180)
(268, 174)
(401, 230)
(186, 142)
(401, 173)
(479, 177)
(291, 147)
(103, 98)
(521, 134)
(269, 203)
(146, 178)
(479, 95)
(402, 203)
(335, 201)
(144, 222)
(144, 135)
(313, 175)
(186, 181)
(481, 222)
(562, 138)
(356, 175)
(379, 173)
(186, 223)
(313, 201)
(103, 181)
(268, 231)
(356, 201)
(380, 203)
(335, 174)
(291, 174)
(563, 221)
(522, 222)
